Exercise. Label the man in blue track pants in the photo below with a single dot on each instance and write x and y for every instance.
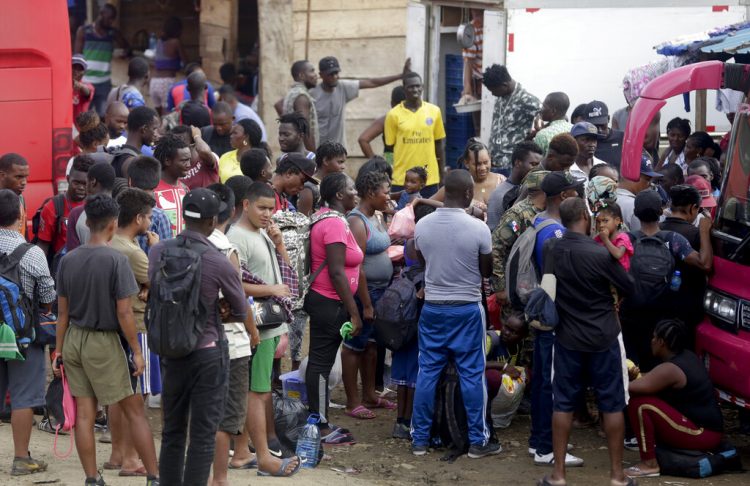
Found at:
(456, 250)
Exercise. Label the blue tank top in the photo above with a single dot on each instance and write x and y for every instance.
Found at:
(377, 265)
(161, 61)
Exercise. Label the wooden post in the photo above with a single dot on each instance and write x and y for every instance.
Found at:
(276, 37)
(700, 110)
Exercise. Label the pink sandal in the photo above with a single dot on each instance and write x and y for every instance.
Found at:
(383, 403)
(362, 413)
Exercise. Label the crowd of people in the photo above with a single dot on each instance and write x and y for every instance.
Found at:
(195, 178)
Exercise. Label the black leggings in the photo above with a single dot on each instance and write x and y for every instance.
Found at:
(326, 317)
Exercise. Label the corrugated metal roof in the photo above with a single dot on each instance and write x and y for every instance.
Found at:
(735, 43)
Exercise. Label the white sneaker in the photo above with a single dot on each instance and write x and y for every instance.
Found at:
(549, 460)
(532, 451)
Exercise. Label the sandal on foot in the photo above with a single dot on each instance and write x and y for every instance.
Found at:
(362, 413)
(137, 473)
(111, 466)
(253, 464)
(545, 481)
(637, 472)
(383, 403)
(281, 473)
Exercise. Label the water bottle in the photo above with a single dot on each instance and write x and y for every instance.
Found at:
(308, 443)
(676, 281)
(152, 41)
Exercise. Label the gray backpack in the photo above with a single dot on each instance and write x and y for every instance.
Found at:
(522, 275)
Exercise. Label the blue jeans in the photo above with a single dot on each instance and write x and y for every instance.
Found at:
(541, 393)
(451, 332)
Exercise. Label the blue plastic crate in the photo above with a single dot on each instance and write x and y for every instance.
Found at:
(454, 61)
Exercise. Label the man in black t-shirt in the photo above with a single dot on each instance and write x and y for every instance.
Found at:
(609, 148)
(216, 135)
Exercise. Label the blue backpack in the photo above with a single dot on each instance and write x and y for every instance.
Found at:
(16, 309)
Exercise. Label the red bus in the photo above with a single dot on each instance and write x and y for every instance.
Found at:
(36, 107)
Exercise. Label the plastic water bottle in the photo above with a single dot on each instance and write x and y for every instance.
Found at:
(308, 443)
(676, 281)
(152, 41)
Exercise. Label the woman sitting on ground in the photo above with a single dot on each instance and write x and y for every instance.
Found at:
(674, 404)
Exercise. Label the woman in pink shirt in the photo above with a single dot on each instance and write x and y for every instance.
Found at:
(335, 259)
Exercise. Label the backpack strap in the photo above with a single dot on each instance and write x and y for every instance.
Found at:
(20, 251)
(317, 272)
(59, 203)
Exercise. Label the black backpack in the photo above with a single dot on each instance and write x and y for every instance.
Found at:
(651, 266)
(449, 423)
(119, 156)
(397, 311)
(16, 309)
(175, 315)
(58, 200)
(698, 464)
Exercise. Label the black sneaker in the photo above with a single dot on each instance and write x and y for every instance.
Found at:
(631, 444)
(274, 447)
(401, 431)
(97, 481)
(477, 451)
(419, 450)
(152, 482)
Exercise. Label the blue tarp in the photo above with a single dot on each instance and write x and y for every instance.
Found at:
(725, 39)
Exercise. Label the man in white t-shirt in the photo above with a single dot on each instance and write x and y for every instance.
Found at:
(587, 136)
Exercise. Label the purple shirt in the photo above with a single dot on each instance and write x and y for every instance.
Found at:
(217, 274)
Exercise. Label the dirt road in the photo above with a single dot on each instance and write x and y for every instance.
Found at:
(378, 459)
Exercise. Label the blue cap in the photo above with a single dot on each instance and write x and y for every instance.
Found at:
(584, 128)
(647, 168)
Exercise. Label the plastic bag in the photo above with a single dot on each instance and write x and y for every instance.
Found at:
(507, 401)
(290, 418)
(334, 379)
(403, 224)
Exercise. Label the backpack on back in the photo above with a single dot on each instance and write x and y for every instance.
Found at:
(522, 275)
(651, 266)
(16, 309)
(397, 311)
(295, 230)
(175, 315)
(450, 426)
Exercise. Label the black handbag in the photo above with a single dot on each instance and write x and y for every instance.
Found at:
(269, 314)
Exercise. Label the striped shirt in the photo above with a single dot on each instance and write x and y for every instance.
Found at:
(98, 53)
(34, 272)
(475, 52)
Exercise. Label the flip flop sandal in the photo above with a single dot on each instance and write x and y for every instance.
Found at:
(383, 403)
(140, 472)
(361, 413)
(637, 472)
(337, 438)
(110, 466)
(545, 482)
(253, 464)
(281, 473)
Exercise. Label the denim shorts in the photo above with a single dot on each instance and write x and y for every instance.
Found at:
(367, 335)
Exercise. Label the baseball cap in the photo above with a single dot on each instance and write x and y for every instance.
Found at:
(328, 65)
(80, 60)
(533, 180)
(584, 128)
(648, 205)
(704, 188)
(202, 203)
(557, 182)
(647, 168)
(597, 113)
(305, 165)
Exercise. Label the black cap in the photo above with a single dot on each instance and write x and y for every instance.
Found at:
(597, 113)
(648, 206)
(329, 65)
(557, 182)
(202, 203)
(305, 165)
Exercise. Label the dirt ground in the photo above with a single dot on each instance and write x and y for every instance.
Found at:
(378, 459)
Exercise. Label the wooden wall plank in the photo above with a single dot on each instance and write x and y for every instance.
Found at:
(386, 22)
(318, 5)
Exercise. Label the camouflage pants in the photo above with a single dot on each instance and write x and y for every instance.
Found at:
(297, 333)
